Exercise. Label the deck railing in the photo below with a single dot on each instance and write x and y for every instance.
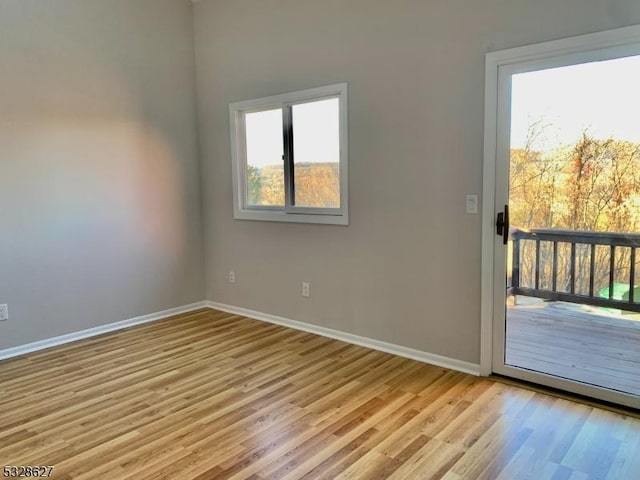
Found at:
(586, 242)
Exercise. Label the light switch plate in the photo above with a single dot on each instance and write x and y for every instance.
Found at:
(472, 204)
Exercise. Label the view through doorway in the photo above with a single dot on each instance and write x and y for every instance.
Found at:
(573, 250)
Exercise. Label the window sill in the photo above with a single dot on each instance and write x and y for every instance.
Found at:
(278, 216)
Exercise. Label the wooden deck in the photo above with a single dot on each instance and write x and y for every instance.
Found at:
(569, 341)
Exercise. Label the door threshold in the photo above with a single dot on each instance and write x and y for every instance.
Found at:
(574, 397)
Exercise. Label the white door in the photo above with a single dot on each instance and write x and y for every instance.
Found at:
(561, 234)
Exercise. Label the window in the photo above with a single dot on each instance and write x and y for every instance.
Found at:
(289, 156)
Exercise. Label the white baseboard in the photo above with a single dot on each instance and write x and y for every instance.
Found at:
(92, 332)
(425, 357)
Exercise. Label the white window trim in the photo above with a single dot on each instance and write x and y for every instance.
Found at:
(335, 216)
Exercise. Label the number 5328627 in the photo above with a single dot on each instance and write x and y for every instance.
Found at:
(27, 471)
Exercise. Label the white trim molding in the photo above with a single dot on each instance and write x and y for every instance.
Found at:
(401, 351)
(424, 357)
(92, 332)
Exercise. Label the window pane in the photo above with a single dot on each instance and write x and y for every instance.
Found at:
(265, 168)
(316, 147)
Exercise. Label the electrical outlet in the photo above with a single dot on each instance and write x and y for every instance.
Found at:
(4, 312)
(306, 289)
(232, 276)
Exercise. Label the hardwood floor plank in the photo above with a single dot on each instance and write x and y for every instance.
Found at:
(210, 395)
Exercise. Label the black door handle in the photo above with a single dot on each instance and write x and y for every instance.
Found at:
(502, 224)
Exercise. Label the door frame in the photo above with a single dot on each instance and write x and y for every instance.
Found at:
(603, 45)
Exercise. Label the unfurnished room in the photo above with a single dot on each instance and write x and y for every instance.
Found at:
(302, 239)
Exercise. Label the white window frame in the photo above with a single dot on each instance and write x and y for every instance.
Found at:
(288, 213)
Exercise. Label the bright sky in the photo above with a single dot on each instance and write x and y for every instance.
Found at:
(315, 134)
(264, 138)
(602, 97)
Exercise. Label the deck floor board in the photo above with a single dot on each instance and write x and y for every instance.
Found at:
(566, 341)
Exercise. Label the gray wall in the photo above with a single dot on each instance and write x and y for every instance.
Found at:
(407, 269)
(99, 178)
(99, 186)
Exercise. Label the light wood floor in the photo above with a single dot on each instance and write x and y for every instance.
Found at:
(559, 339)
(209, 395)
